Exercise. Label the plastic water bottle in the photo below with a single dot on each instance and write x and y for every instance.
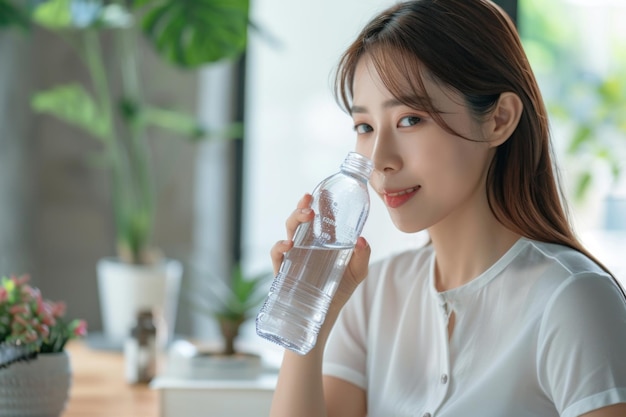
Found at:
(300, 295)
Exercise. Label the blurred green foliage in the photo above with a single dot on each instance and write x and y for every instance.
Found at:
(185, 34)
(591, 104)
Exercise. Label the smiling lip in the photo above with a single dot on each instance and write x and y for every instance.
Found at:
(397, 198)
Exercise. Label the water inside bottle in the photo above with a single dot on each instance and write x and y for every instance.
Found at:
(300, 295)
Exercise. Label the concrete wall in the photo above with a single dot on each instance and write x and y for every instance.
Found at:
(17, 167)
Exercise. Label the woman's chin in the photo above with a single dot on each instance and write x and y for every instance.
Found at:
(407, 226)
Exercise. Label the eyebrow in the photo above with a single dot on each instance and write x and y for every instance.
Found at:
(387, 104)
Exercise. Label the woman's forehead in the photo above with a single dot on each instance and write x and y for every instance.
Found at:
(409, 81)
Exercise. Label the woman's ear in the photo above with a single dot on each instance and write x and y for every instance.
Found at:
(503, 119)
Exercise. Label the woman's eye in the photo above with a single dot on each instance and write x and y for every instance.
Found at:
(362, 128)
(409, 121)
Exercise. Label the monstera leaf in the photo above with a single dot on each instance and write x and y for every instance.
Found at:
(191, 33)
(12, 15)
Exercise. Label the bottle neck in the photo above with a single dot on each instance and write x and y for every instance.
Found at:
(357, 166)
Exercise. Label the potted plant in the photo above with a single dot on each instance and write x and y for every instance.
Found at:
(231, 302)
(111, 109)
(39, 386)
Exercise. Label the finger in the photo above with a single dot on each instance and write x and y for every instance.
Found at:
(298, 216)
(301, 214)
(277, 253)
(359, 263)
(305, 201)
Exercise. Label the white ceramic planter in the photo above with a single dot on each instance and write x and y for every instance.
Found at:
(37, 388)
(127, 289)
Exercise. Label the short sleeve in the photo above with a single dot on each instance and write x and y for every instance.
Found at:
(581, 357)
(346, 350)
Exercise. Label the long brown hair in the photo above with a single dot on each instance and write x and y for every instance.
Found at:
(473, 47)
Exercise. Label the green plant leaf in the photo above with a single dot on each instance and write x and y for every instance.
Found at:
(616, 170)
(172, 120)
(234, 299)
(134, 227)
(11, 15)
(582, 135)
(231, 131)
(192, 33)
(582, 186)
(72, 104)
(179, 122)
(54, 14)
(610, 90)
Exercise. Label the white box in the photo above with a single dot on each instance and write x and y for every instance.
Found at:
(180, 397)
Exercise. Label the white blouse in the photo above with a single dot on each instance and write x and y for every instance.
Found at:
(540, 333)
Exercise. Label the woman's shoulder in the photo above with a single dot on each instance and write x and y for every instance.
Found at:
(567, 276)
(570, 261)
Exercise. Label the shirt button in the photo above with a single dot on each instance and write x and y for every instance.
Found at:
(444, 379)
(426, 415)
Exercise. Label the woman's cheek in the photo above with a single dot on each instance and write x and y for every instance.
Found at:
(364, 147)
(375, 183)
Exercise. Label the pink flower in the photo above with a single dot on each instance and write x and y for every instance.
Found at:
(46, 313)
(19, 309)
(31, 293)
(19, 281)
(80, 329)
(30, 336)
(58, 309)
(41, 307)
(27, 317)
(43, 330)
(21, 320)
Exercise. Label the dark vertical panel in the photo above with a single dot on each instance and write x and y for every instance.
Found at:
(238, 161)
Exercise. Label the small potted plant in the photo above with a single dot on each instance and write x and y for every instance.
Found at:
(39, 386)
(231, 302)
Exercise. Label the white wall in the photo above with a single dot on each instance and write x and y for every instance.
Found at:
(296, 134)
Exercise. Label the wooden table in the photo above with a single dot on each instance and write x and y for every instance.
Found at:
(99, 389)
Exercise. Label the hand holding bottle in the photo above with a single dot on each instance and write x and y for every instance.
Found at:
(316, 267)
(357, 267)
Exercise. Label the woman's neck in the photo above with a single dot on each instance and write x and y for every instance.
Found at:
(466, 246)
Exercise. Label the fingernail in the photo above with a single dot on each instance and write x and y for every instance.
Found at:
(286, 242)
(306, 210)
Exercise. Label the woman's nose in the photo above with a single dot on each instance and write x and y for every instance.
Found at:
(385, 155)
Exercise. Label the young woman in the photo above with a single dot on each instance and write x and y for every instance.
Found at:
(503, 313)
